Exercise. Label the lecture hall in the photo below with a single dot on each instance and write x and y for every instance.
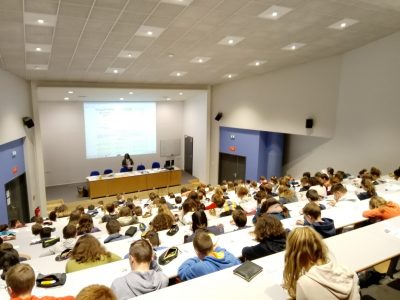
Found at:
(199, 148)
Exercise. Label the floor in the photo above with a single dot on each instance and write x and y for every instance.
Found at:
(69, 192)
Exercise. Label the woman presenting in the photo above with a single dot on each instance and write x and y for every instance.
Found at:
(127, 162)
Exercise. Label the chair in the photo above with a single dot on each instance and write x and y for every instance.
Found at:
(107, 171)
(140, 167)
(94, 173)
(123, 170)
(155, 165)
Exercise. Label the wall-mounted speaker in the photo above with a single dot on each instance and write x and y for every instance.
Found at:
(28, 122)
(218, 116)
(309, 123)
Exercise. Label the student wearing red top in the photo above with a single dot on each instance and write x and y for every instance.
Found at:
(20, 280)
(381, 209)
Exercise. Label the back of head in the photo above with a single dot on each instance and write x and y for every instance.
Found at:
(125, 212)
(141, 251)
(153, 238)
(85, 224)
(75, 216)
(307, 174)
(202, 243)
(338, 187)
(8, 257)
(113, 226)
(260, 195)
(91, 207)
(21, 279)
(239, 217)
(138, 211)
(69, 231)
(80, 208)
(45, 232)
(368, 186)
(376, 202)
(396, 173)
(267, 227)
(36, 229)
(96, 291)
(53, 216)
(199, 220)
(162, 221)
(312, 195)
(304, 249)
(110, 208)
(375, 172)
(267, 204)
(88, 248)
(312, 209)
(242, 191)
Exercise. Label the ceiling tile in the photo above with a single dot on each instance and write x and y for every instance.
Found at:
(142, 6)
(11, 5)
(38, 34)
(42, 6)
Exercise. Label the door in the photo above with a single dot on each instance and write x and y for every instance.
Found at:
(17, 199)
(231, 167)
(189, 154)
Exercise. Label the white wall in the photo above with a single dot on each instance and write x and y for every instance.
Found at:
(15, 103)
(196, 111)
(63, 141)
(367, 122)
(280, 101)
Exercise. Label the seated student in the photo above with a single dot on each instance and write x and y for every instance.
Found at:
(369, 189)
(272, 207)
(240, 219)
(200, 222)
(7, 234)
(15, 223)
(313, 196)
(271, 235)
(88, 253)
(113, 228)
(96, 291)
(20, 280)
(376, 175)
(396, 173)
(146, 275)
(312, 217)
(208, 260)
(305, 184)
(111, 213)
(91, 210)
(68, 242)
(74, 217)
(8, 257)
(228, 207)
(85, 225)
(316, 183)
(286, 195)
(162, 221)
(309, 273)
(245, 200)
(125, 217)
(380, 209)
(340, 196)
(188, 207)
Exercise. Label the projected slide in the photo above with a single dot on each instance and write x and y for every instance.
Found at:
(114, 128)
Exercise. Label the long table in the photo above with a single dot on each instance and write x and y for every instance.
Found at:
(129, 182)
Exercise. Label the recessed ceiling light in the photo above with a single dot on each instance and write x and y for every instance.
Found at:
(38, 49)
(149, 32)
(180, 94)
(178, 73)
(275, 12)
(200, 59)
(129, 55)
(229, 76)
(168, 98)
(171, 55)
(45, 48)
(70, 92)
(293, 46)
(178, 2)
(343, 24)
(36, 67)
(37, 19)
(257, 63)
(130, 93)
(121, 98)
(66, 98)
(231, 40)
(115, 71)
(40, 21)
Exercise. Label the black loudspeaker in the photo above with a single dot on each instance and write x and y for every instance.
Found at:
(309, 123)
(218, 116)
(28, 122)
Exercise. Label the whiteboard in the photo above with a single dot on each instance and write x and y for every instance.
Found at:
(170, 147)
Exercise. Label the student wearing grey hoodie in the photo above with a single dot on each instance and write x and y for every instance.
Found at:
(146, 275)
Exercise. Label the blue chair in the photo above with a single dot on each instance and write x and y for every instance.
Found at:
(155, 165)
(123, 170)
(107, 171)
(140, 167)
(94, 173)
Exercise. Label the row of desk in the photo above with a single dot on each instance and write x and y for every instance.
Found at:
(129, 182)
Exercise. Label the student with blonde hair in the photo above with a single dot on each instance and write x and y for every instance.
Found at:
(381, 209)
(310, 274)
(96, 291)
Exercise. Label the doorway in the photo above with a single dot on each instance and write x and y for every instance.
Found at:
(17, 199)
(189, 154)
(231, 167)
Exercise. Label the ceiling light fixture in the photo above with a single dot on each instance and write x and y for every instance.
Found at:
(200, 60)
(70, 92)
(168, 98)
(230, 42)
(274, 14)
(115, 71)
(180, 94)
(343, 25)
(130, 93)
(293, 47)
(38, 49)
(129, 55)
(149, 32)
(121, 98)
(66, 98)
(40, 21)
(257, 63)
(178, 74)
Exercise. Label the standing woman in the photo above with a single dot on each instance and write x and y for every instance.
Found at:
(309, 274)
(127, 162)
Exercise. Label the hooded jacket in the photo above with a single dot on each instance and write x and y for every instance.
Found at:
(326, 228)
(329, 282)
(195, 267)
(266, 247)
(138, 283)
